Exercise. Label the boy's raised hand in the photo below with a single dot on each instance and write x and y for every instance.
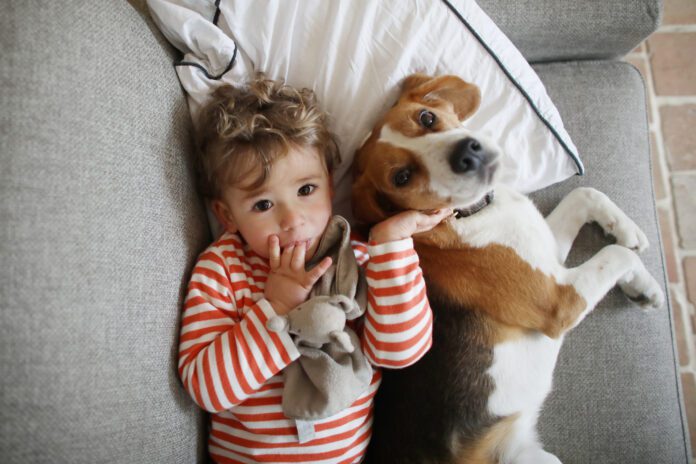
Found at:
(288, 283)
(407, 223)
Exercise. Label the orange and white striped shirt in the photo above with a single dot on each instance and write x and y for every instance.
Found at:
(231, 364)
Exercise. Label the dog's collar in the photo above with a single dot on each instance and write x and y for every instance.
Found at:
(485, 201)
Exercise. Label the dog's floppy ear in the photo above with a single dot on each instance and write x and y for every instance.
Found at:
(464, 97)
(364, 200)
(413, 81)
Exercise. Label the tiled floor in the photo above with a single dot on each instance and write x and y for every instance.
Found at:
(667, 61)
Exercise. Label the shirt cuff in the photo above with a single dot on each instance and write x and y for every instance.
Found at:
(264, 311)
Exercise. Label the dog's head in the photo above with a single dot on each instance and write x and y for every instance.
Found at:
(420, 157)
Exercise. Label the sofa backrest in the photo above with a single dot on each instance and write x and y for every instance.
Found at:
(99, 226)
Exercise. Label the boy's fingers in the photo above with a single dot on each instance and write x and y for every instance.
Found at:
(286, 257)
(318, 270)
(430, 220)
(298, 257)
(273, 251)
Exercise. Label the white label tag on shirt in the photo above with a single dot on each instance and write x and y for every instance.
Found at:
(305, 430)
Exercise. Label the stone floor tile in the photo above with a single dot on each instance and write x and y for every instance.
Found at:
(680, 332)
(658, 181)
(689, 393)
(684, 193)
(668, 246)
(690, 277)
(679, 12)
(673, 63)
(678, 123)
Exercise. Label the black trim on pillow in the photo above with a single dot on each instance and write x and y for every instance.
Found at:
(217, 12)
(205, 71)
(573, 155)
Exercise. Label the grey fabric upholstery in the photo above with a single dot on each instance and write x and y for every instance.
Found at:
(616, 397)
(548, 30)
(99, 226)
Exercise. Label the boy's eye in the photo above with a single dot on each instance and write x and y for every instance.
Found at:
(306, 190)
(263, 205)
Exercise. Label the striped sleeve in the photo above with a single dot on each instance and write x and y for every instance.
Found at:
(224, 358)
(398, 322)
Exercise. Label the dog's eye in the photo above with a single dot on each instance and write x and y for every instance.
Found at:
(402, 177)
(427, 118)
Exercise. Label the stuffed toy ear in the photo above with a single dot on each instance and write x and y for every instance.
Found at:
(348, 305)
(277, 324)
(343, 340)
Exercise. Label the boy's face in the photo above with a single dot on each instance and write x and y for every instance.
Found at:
(294, 203)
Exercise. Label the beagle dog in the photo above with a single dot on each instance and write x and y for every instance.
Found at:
(501, 296)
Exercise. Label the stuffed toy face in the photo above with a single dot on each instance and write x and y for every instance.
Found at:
(319, 320)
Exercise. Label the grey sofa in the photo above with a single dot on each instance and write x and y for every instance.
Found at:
(100, 224)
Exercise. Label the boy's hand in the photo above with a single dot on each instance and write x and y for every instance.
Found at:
(408, 223)
(289, 283)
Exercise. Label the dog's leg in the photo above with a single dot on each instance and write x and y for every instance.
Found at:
(585, 205)
(614, 265)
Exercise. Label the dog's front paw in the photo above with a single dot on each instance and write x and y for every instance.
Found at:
(643, 290)
(628, 234)
(615, 222)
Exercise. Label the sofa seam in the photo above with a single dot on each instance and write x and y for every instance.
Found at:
(665, 280)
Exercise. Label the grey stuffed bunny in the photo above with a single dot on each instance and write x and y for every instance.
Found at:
(319, 320)
(332, 371)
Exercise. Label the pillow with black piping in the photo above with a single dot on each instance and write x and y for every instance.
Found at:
(354, 55)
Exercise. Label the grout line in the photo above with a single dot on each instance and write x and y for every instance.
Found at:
(689, 340)
(677, 28)
(677, 100)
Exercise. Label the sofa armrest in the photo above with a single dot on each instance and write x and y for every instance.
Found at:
(562, 30)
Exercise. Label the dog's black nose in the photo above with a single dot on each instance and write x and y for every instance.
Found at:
(468, 156)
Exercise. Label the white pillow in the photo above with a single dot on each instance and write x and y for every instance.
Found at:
(354, 54)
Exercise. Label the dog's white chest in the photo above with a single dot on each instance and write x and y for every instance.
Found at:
(513, 221)
(522, 371)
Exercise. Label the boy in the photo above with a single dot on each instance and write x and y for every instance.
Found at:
(265, 160)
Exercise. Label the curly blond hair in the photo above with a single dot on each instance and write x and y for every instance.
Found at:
(242, 129)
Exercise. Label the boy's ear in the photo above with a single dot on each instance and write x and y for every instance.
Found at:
(224, 216)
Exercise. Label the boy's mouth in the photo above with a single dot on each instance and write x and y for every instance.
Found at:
(297, 243)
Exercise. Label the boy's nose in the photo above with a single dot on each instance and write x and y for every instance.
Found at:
(290, 219)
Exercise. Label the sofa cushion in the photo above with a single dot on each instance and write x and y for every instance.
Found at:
(616, 397)
(99, 226)
(563, 30)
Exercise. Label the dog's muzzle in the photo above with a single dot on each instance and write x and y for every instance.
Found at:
(470, 156)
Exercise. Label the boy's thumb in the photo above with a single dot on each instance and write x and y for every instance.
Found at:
(320, 269)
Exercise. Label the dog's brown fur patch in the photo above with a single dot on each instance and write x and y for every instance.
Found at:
(485, 450)
(520, 297)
